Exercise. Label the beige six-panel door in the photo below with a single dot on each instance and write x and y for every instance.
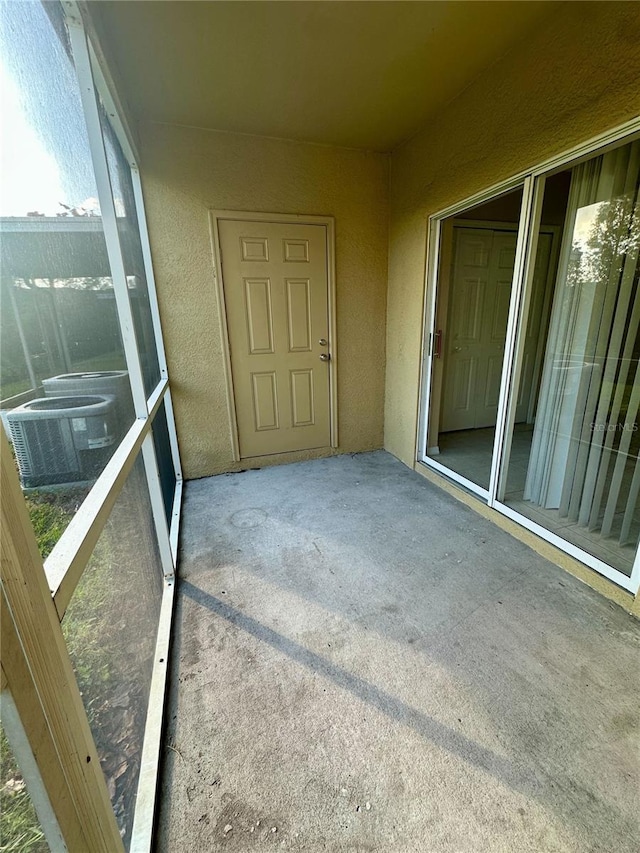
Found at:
(475, 337)
(480, 292)
(275, 285)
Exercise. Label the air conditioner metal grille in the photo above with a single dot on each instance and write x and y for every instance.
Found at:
(20, 447)
(44, 450)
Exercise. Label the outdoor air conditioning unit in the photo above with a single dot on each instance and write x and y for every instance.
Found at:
(62, 439)
(114, 382)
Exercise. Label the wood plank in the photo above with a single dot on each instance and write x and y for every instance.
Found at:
(56, 723)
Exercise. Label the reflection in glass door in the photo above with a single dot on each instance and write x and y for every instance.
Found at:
(573, 467)
(473, 295)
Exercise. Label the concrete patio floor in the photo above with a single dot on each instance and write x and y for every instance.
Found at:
(362, 663)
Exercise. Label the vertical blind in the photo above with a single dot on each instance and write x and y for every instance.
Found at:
(584, 458)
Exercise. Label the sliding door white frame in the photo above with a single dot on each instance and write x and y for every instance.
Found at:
(429, 334)
(533, 181)
(522, 263)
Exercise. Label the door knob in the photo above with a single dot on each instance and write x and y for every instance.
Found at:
(324, 356)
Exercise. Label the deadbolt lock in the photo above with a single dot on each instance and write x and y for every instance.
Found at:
(323, 342)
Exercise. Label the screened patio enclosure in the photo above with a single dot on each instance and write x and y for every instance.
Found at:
(91, 478)
(91, 474)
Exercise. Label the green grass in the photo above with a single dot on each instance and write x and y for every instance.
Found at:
(88, 621)
(19, 827)
(84, 629)
(20, 830)
(11, 389)
(112, 668)
(50, 513)
(106, 361)
(49, 522)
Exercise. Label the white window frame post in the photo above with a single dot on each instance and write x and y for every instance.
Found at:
(128, 148)
(91, 109)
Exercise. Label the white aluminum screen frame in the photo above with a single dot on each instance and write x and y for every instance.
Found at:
(128, 147)
(67, 561)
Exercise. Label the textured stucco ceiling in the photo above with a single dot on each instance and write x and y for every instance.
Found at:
(358, 74)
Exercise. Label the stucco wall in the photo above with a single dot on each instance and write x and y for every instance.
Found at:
(575, 77)
(186, 172)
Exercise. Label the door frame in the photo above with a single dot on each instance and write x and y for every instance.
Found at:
(432, 291)
(328, 222)
(532, 180)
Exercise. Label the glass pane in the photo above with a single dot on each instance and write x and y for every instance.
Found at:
(165, 460)
(60, 330)
(574, 462)
(110, 627)
(477, 256)
(20, 830)
(126, 213)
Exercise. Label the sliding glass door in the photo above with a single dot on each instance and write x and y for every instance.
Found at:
(576, 471)
(472, 309)
(545, 426)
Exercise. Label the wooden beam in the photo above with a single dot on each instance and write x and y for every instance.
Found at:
(40, 676)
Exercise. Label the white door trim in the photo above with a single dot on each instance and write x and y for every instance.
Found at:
(215, 216)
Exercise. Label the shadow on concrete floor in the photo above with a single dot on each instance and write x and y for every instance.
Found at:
(362, 663)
